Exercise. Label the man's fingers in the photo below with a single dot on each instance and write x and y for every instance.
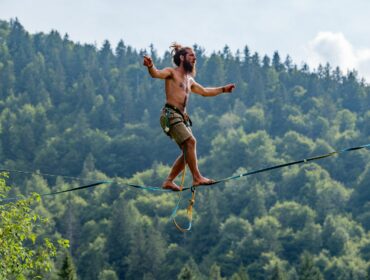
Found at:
(147, 60)
(231, 87)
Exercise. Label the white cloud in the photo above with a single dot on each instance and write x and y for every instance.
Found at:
(335, 49)
(364, 63)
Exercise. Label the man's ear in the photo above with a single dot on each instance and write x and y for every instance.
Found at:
(182, 58)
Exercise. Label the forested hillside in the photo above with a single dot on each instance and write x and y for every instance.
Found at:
(82, 111)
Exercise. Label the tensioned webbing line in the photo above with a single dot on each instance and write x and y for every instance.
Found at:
(192, 200)
(152, 188)
(84, 186)
(192, 188)
(367, 146)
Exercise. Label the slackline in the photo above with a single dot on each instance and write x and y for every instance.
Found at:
(192, 188)
(152, 188)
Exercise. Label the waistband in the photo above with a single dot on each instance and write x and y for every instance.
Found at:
(177, 110)
(184, 116)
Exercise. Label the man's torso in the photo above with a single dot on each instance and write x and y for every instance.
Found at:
(178, 89)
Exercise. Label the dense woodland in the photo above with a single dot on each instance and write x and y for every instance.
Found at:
(93, 112)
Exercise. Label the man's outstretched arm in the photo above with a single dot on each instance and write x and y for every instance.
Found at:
(154, 72)
(211, 91)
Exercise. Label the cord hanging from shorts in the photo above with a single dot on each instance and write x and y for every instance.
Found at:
(189, 209)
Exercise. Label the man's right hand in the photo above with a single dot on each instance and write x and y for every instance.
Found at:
(148, 62)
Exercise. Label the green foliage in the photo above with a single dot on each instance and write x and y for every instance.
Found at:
(241, 274)
(108, 275)
(307, 269)
(215, 273)
(189, 271)
(23, 253)
(67, 271)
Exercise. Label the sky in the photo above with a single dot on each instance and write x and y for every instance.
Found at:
(309, 31)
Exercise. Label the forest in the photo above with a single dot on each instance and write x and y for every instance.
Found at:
(73, 113)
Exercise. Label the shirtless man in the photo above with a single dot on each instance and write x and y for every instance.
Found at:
(179, 82)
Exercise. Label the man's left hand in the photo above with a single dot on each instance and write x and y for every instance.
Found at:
(229, 88)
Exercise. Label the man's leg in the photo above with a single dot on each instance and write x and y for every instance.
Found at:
(177, 167)
(192, 161)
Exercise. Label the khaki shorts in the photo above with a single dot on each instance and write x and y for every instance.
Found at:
(178, 130)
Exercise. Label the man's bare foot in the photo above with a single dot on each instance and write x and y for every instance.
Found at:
(203, 181)
(169, 185)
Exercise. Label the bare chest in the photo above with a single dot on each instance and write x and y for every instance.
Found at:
(184, 84)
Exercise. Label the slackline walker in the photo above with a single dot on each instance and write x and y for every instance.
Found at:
(182, 188)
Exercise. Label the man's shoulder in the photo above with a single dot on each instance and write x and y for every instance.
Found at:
(170, 70)
(192, 79)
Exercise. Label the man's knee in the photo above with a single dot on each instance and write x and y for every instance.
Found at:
(190, 142)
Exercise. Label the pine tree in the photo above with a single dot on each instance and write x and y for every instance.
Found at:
(185, 274)
(215, 273)
(67, 271)
(241, 274)
(190, 271)
(278, 273)
(307, 269)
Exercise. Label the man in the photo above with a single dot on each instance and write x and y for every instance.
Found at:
(179, 82)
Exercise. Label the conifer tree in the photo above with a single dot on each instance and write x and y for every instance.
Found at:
(67, 271)
(307, 269)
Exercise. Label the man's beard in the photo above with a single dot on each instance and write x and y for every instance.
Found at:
(188, 67)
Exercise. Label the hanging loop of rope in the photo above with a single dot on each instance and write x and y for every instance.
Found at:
(191, 201)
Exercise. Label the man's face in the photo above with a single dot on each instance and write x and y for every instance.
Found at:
(189, 61)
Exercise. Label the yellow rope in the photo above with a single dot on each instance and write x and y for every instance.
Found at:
(191, 201)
